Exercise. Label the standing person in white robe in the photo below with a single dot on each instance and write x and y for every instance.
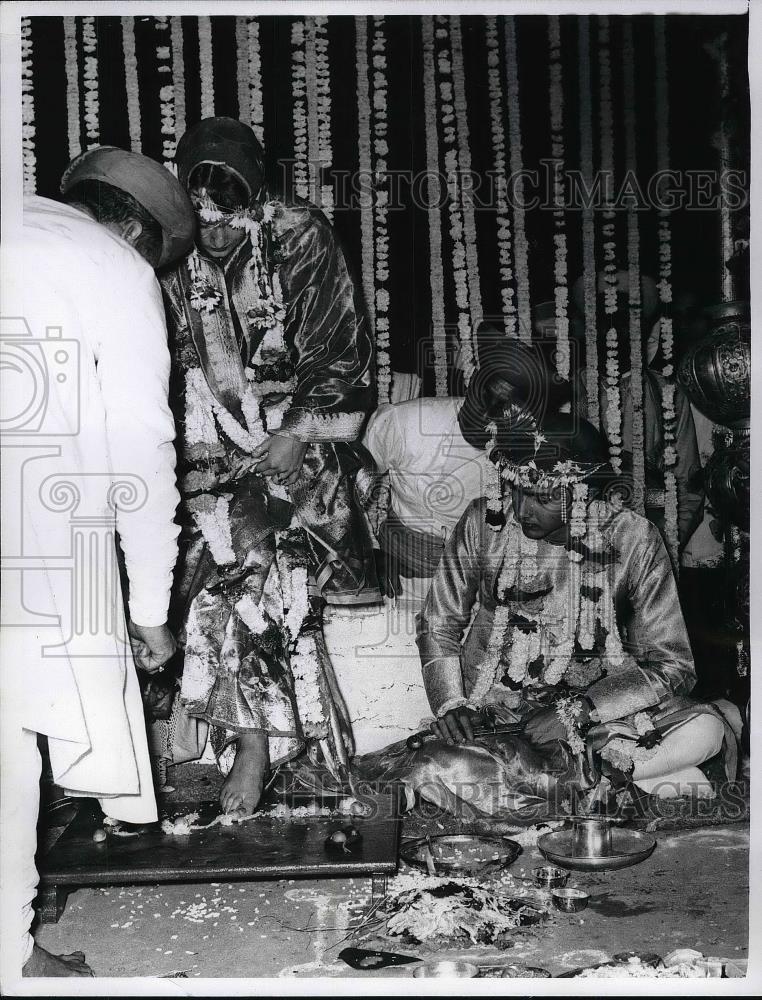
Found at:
(102, 459)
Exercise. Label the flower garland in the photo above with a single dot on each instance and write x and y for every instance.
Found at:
(315, 163)
(166, 93)
(588, 225)
(206, 64)
(132, 83)
(633, 262)
(624, 753)
(613, 416)
(466, 178)
(90, 47)
(568, 711)
(305, 670)
(72, 84)
(178, 73)
(520, 242)
(27, 108)
(212, 517)
(365, 168)
(298, 602)
(665, 297)
(504, 240)
(494, 487)
(452, 170)
(381, 211)
(563, 361)
(322, 101)
(254, 72)
(439, 337)
(298, 84)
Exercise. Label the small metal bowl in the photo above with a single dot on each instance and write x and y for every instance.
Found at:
(447, 969)
(570, 900)
(550, 878)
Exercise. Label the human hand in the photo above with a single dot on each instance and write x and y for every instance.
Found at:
(456, 726)
(152, 646)
(281, 458)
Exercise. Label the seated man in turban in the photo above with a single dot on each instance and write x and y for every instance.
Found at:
(578, 642)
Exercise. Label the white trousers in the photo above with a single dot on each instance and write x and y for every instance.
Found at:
(19, 810)
(674, 770)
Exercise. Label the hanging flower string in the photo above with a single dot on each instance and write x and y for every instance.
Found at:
(613, 413)
(166, 91)
(206, 63)
(365, 167)
(90, 49)
(520, 242)
(381, 211)
(27, 108)
(559, 236)
(502, 217)
(254, 69)
(439, 331)
(452, 172)
(589, 273)
(71, 57)
(633, 264)
(465, 177)
(298, 91)
(671, 521)
(322, 98)
(178, 73)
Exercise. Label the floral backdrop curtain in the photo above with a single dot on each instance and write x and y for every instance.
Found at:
(448, 149)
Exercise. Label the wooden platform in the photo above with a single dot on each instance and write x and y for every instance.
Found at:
(262, 848)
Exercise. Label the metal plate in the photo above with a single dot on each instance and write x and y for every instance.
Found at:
(628, 847)
(463, 854)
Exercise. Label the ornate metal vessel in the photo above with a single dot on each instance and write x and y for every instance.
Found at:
(716, 372)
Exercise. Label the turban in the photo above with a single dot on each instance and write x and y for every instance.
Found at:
(149, 183)
(224, 142)
(538, 388)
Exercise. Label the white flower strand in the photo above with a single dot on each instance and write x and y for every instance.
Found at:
(613, 415)
(435, 221)
(322, 101)
(71, 58)
(365, 169)
(671, 518)
(298, 91)
(132, 83)
(452, 171)
(633, 263)
(178, 73)
(27, 108)
(381, 211)
(212, 516)
(254, 70)
(299, 602)
(559, 236)
(502, 217)
(465, 174)
(206, 63)
(166, 93)
(315, 165)
(588, 225)
(90, 48)
(520, 243)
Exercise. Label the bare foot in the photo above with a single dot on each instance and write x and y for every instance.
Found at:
(42, 963)
(243, 786)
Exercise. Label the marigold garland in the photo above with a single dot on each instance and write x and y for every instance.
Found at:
(588, 226)
(559, 236)
(298, 91)
(439, 332)
(166, 92)
(502, 217)
(90, 49)
(381, 211)
(520, 242)
(178, 73)
(27, 108)
(71, 58)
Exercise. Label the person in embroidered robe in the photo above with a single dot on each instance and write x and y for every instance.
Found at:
(274, 378)
(100, 459)
(577, 640)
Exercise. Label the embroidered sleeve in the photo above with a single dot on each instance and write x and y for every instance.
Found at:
(660, 665)
(325, 328)
(446, 614)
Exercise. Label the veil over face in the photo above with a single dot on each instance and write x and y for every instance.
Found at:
(224, 142)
